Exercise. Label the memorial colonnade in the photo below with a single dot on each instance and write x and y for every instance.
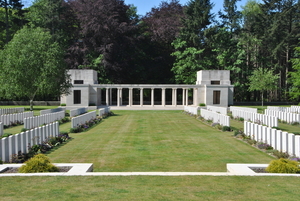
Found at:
(116, 94)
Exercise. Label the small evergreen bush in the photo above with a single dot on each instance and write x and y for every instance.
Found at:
(283, 165)
(38, 163)
(202, 104)
(226, 128)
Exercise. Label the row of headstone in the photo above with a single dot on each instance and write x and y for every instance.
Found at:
(21, 142)
(48, 111)
(253, 110)
(104, 111)
(78, 111)
(11, 110)
(82, 119)
(295, 108)
(269, 120)
(1, 129)
(221, 110)
(9, 119)
(32, 122)
(284, 116)
(279, 140)
(292, 109)
(191, 109)
(222, 119)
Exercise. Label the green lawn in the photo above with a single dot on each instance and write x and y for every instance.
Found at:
(156, 141)
(150, 188)
(153, 141)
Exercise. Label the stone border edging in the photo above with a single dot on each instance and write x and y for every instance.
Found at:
(85, 169)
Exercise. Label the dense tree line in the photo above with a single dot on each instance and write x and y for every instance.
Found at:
(172, 41)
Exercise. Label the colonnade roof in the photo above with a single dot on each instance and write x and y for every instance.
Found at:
(144, 86)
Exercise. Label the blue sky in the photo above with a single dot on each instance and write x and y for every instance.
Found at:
(145, 6)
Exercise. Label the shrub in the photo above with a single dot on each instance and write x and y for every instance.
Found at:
(295, 123)
(226, 128)
(238, 133)
(265, 146)
(38, 163)
(241, 119)
(202, 104)
(283, 165)
(6, 135)
(1, 162)
(280, 154)
(19, 158)
(63, 104)
(24, 130)
(64, 120)
(76, 130)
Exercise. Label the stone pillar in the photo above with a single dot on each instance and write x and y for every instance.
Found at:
(130, 97)
(183, 96)
(119, 96)
(152, 97)
(110, 96)
(163, 96)
(195, 97)
(141, 97)
(174, 99)
(107, 99)
(187, 97)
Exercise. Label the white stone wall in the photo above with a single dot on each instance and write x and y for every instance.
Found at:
(78, 111)
(204, 77)
(279, 140)
(81, 119)
(269, 120)
(191, 109)
(8, 119)
(223, 120)
(253, 110)
(33, 122)
(221, 110)
(19, 142)
(295, 108)
(284, 116)
(88, 76)
(104, 111)
(292, 109)
(48, 111)
(12, 110)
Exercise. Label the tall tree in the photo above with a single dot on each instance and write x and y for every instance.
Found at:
(191, 46)
(56, 16)
(106, 31)
(159, 28)
(12, 14)
(294, 79)
(31, 63)
(281, 37)
(262, 80)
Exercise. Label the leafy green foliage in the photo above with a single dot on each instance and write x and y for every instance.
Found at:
(32, 63)
(262, 80)
(283, 165)
(187, 62)
(38, 163)
(295, 76)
